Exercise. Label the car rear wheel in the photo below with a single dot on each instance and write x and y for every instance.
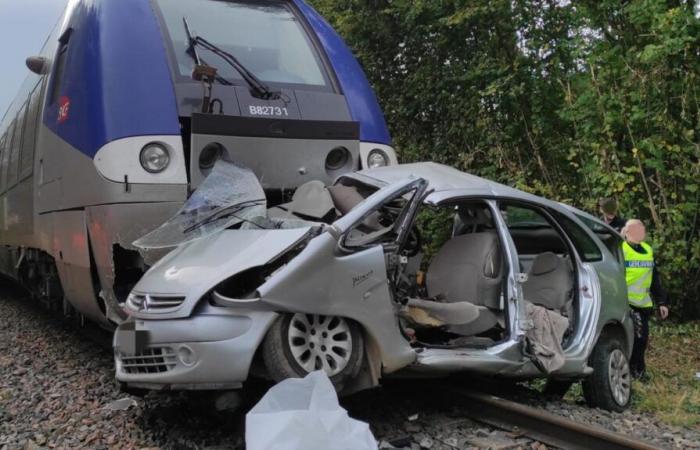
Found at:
(298, 344)
(610, 385)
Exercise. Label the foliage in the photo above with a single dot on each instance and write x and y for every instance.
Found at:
(673, 360)
(569, 100)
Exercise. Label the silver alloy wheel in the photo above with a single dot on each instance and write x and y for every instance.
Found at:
(619, 377)
(320, 342)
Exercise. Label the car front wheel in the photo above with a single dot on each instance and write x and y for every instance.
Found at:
(298, 344)
(610, 385)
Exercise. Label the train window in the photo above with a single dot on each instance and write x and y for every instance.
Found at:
(5, 162)
(59, 67)
(13, 170)
(30, 127)
(267, 38)
(2, 153)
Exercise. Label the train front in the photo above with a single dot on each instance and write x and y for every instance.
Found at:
(264, 84)
(271, 86)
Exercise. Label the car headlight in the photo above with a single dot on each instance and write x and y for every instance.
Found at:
(377, 158)
(154, 157)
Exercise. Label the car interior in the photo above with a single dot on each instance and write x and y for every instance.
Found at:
(458, 294)
(450, 288)
(461, 293)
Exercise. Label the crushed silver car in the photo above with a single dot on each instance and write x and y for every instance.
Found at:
(409, 270)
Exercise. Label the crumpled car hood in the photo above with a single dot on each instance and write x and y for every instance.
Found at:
(193, 269)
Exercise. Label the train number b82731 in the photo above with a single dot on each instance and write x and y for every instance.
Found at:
(268, 111)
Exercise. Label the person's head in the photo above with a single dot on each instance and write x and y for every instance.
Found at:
(608, 207)
(634, 231)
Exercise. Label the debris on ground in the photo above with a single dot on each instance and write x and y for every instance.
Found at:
(304, 413)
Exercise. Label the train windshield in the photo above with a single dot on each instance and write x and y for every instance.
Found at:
(266, 37)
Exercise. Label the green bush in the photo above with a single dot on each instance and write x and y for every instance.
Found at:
(569, 100)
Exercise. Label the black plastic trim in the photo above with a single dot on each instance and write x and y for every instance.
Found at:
(276, 128)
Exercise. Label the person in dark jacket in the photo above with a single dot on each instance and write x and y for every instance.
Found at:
(644, 291)
(609, 212)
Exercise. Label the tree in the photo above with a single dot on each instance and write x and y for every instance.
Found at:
(573, 101)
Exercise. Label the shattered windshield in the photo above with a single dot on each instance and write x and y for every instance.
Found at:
(230, 195)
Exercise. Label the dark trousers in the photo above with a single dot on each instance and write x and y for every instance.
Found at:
(640, 317)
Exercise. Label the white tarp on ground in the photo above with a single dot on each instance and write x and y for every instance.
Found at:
(304, 414)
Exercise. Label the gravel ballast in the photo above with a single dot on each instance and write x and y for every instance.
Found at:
(57, 390)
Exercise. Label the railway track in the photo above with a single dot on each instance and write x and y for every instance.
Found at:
(152, 423)
(542, 426)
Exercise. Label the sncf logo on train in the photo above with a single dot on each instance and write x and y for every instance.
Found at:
(63, 109)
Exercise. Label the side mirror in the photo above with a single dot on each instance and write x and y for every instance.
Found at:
(38, 64)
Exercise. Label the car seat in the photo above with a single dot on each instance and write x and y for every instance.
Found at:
(549, 282)
(467, 273)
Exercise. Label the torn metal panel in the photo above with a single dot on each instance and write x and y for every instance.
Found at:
(71, 252)
(115, 225)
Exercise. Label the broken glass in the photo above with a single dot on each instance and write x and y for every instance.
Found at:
(230, 195)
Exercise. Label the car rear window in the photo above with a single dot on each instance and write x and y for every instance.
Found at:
(266, 37)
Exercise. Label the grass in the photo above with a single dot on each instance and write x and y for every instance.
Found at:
(673, 359)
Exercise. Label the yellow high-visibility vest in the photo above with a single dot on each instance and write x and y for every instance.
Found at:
(638, 271)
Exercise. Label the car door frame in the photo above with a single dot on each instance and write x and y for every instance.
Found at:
(586, 287)
(513, 289)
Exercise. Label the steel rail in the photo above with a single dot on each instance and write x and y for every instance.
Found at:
(541, 425)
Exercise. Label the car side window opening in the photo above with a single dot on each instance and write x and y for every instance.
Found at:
(545, 256)
(452, 287)
(610, 238)
(532, 234)
(380, 226)
(585, 246)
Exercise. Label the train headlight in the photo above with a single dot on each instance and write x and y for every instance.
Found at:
(377, 158)
(154, 157)
(210, 155)
(337, 158)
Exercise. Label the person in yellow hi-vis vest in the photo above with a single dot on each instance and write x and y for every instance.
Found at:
(644, 290)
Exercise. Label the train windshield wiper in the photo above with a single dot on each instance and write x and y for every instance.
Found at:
(259, 88)
(222, 213)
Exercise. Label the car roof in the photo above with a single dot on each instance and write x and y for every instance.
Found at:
(445, 182)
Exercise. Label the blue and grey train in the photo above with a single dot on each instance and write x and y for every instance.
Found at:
(131, 102)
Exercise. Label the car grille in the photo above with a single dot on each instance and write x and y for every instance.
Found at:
(151, 360)
(154, 303)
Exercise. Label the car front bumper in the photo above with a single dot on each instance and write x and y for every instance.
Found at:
(211, 350)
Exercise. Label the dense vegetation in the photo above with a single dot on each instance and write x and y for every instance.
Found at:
(570, 100)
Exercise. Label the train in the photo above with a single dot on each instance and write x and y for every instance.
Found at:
(129, 105)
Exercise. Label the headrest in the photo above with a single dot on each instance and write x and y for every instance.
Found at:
(473, 215)
(345, 198)
(311, 199)
(545, 263)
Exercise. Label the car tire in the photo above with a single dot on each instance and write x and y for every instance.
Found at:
(610, 385)
(298, 344)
